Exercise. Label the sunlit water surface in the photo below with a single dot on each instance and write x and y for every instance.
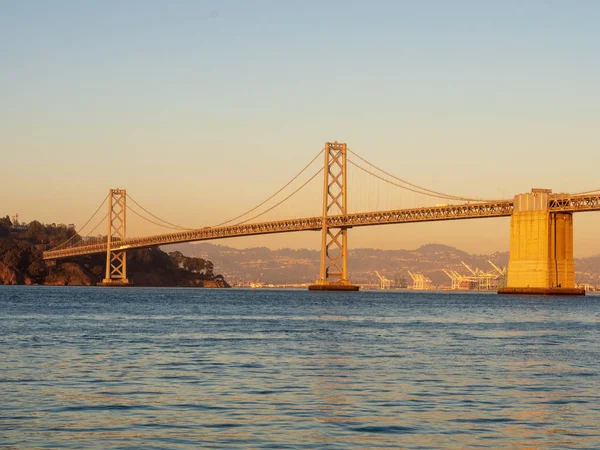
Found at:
(184, 368)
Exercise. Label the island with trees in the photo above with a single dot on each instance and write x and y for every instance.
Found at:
(22, 245)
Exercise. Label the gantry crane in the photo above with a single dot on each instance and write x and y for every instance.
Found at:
(482, 279)
(469, 269)
(258, 283)
(501, 278)
(478, 279)
(384, 283)
(454, 277)
(420, 281)
(500, 272)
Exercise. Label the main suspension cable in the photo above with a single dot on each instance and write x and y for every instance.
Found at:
(271, 197)
(97, 225)
(402, 186)
(153, 222)
(440, 194)
(586, 192)
(85, 225)
(172, 225)
(276, 205)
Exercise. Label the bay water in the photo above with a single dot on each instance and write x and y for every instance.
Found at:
(227, 368)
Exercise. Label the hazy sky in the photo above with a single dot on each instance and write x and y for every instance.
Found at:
(202, 109)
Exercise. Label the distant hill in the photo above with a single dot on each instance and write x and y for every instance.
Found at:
(302, 266)
(587, 270)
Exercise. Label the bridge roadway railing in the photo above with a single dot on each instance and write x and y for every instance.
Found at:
(501, 208)
(574, 203)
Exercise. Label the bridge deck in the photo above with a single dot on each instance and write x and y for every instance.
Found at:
(503, 208)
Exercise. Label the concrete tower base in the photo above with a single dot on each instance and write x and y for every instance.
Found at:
(541, 291)
(333, 287)
(541, 248)
(115, 283)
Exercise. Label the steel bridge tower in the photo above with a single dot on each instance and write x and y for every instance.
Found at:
(334, 241)
(116, 260)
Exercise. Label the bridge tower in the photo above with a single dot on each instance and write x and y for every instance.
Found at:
(333, 274)
(116, 260)
(541, 248)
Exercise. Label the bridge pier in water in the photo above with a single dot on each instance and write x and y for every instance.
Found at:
(116, 259)
(541, 248)
(333, 270)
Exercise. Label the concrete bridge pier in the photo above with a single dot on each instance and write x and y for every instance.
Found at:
(541, 248)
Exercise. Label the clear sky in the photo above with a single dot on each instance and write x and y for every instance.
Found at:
(202, 109)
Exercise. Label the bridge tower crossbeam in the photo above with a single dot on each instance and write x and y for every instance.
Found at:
(333, 273)
(116, 260)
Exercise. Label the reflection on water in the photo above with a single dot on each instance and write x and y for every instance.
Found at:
(173, 368)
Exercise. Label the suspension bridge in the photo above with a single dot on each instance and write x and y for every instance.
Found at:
(541, 252)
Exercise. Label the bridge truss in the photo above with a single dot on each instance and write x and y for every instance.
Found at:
(431, 214)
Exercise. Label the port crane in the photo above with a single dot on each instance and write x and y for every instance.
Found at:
(384, 283)
(482, 280)
(257, 284)
(500, 272)
(455, 277)
(501, 278)
(420, 281)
